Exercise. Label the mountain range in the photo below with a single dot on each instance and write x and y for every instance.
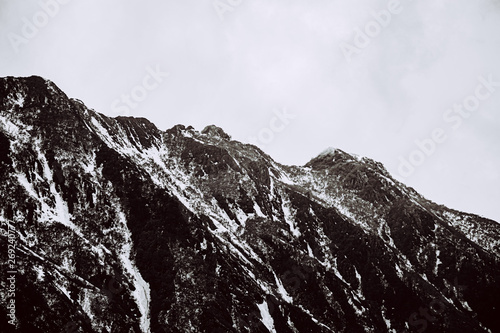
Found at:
(113, 225)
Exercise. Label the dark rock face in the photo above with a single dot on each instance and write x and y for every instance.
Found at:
(121, 227)
(216, 131)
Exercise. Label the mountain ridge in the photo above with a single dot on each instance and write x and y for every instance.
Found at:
(138, 229)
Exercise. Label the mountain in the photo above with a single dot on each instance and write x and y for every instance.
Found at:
(112, 225)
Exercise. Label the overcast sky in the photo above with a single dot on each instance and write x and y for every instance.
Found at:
(292, 76)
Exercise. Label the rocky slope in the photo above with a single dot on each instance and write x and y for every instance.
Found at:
(122, 227)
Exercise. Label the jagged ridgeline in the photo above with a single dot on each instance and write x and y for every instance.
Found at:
(118, 226)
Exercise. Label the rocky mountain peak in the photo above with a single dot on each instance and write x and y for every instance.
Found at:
(331, 157)
(216, 132)
(33, 90)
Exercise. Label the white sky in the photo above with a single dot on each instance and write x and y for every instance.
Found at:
(264, 57)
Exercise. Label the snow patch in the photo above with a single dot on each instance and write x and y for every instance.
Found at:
(310, 251)
(19, 101)
(290, 218)
(40, 274)
(141, 293)
(387, 322)
(258, 210)
(282, 291)
(438, 262)
(285, 179)
(267, 320)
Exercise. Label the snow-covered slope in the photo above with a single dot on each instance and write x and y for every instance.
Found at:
(122, 227)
